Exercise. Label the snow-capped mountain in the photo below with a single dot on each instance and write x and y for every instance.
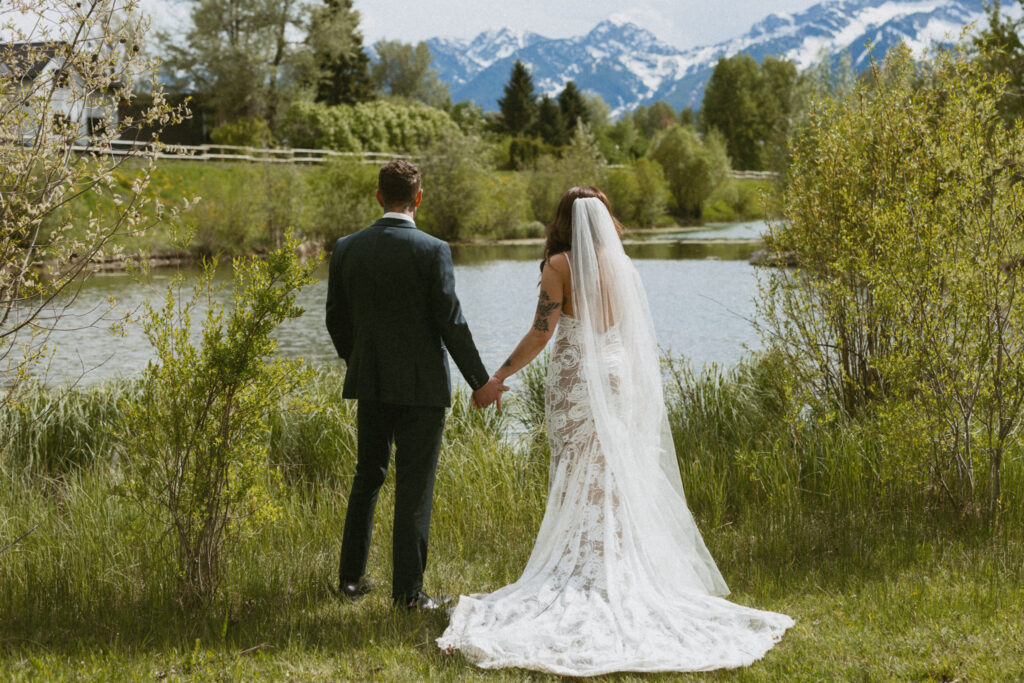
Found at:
(628, 66)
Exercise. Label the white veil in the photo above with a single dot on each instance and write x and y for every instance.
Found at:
(620, 367)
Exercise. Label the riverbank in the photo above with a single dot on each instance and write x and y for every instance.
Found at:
(246, 208)
(807, 518)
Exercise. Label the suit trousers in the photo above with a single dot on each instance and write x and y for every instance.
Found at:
(415, 432)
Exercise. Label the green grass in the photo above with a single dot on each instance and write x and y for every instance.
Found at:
(883, 583)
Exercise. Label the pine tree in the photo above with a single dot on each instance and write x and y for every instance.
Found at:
(550, 125)
(573, 107)
(519, 105)
(342, 74)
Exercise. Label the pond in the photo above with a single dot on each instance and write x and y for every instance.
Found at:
(699, 285)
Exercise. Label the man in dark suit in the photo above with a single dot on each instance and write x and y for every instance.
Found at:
(391, 313)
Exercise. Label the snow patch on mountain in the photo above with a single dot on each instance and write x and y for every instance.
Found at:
(629, 66)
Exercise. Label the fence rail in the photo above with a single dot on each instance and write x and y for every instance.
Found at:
(285, 155)
(761, 175)
(289, 155)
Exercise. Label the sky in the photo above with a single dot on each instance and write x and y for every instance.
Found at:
(682, 23)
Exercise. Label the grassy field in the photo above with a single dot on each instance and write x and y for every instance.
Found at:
(883, 582)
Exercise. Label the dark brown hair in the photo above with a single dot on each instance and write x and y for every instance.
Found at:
(559, 231)
(398, 183)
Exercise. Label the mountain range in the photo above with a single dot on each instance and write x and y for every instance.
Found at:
(628, 66)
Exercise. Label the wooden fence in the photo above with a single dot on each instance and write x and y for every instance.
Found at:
(287, 155)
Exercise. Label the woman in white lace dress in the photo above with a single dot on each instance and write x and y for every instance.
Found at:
(619, 578)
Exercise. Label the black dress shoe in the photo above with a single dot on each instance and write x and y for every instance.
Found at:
(422, 602)
(353, 590)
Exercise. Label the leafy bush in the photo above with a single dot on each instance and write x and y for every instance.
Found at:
(581, 163)
(452, 187)
(195, 438)
(904, 208)
(693, 167)
(341, 199)
(251, 132)
(503, 210)
(637, 193)
(377, 126)
(735, 199)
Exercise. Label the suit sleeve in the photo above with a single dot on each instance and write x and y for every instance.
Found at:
(454, 329)
(339, 319)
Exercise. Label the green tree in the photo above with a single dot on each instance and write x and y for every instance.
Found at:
(650, 120)
(732, 101)
(46, 251)
(623, 141)
(453, 176)
(998, 47)
(637, 193)
(693, 167)
(240, 55)
(751, 105)
(573, 107)
(404, 70)
(581, 163)
(687, 117)
(342, 67)
(519, 104)
(550, 125)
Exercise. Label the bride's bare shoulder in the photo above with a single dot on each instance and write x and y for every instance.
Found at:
(560, 263)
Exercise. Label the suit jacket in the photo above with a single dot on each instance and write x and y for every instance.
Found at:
(391, 313)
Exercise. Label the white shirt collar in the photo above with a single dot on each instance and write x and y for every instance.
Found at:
(399, 216)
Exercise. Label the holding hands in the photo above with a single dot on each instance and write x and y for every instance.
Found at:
(489, 393)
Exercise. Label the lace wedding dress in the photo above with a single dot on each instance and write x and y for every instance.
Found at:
(619, 578)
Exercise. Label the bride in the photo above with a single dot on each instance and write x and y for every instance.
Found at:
(619, 578)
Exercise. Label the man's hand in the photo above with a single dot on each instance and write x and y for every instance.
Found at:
(489, 393)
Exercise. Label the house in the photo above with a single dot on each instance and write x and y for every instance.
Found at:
(39, 68)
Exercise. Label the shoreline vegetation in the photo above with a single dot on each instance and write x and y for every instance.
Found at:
(246, 208)
(801, 512)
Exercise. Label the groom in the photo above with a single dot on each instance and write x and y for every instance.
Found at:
(391, 313)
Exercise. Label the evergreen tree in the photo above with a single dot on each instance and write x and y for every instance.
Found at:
(519, 105)
(550, 126)
(573, 106)
(342, 73)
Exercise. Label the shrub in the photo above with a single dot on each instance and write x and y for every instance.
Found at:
(452, 187)
(904, 205)
(250, 132)
(341, 198)
(195, 438)
(637, 193)
(581, 163)
(693, 167)
(377, 126)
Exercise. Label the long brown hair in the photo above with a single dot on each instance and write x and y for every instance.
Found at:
(559, 230)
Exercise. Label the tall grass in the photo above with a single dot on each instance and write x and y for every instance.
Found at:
(882, 582)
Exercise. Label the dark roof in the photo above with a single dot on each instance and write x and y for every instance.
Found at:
(26, 60)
